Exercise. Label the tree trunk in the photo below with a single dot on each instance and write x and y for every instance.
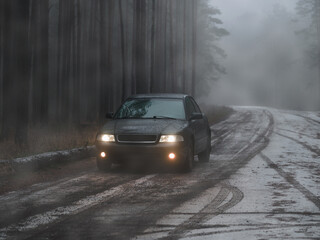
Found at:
(44, 55)
(8, 102)
(194, 47)
(134, 49)
(91, 71)
(165, 85)
(103, 60)
(76, 62)
(66, 76)
(109, 59)
(177, 48)
(21, 74)
(172, 47)
(64, 43)
(141, 79)
(40, 39)
(158, 49)
(317, 5)
(2, 5)
(59, 59)
(123, 52)
(184, 68)
(152, 50)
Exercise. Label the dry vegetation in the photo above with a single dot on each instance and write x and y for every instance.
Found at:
(47, 139)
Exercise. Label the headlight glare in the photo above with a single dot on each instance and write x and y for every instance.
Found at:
(106, 138)
(171, 138)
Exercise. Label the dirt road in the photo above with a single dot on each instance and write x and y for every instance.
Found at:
(262, 182)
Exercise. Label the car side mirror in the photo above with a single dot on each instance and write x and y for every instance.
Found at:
(109, 115)
(195, 116)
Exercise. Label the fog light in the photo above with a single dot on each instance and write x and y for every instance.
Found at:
(172, 156)
(103, 154)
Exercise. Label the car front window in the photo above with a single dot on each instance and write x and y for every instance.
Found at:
(152, 108)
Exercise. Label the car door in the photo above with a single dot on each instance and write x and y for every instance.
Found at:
(195, 125)
(202, 128)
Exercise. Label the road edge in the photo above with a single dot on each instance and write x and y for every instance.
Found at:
(44, 160)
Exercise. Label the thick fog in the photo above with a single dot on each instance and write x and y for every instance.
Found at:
(266, 61)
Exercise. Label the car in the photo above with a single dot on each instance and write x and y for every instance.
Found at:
(152, 129)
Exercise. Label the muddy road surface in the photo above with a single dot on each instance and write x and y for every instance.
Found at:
(262, 182)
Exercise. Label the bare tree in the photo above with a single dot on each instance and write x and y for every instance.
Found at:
(123, 52)
(22, 67)
(142, 83)
(109, 65)
(172, 57)
(317, 16)
(39, 35)
(194, 46)
(7, 123)
(103, 59)
(152, 50)
(311, 8)
(184, 68)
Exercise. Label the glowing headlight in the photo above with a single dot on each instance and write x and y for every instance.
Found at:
(106, 138)
(171, 138)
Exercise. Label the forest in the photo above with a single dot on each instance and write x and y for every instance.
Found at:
(69, 62)
(65, 63)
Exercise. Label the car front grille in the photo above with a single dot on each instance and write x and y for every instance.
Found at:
(137, 138)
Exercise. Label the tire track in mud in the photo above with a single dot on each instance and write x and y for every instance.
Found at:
(251, 149)
(214, 208)
(44, 197)
(244, 155)
(309, 195)
(308, 119)
(225, 131)
(295, 132)
(44, 215)
(314, 150)
(255, 228)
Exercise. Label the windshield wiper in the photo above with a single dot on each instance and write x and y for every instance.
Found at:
(163, 117)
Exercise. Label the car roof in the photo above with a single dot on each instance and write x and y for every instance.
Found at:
(160, 95)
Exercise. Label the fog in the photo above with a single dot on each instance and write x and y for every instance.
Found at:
(266, 61)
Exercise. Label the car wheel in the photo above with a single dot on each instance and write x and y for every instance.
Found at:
(103, 164)
(205, 155)
(187, 164)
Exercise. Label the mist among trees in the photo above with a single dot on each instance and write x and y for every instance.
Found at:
(71, 61)
(273, 54)
(68, 62)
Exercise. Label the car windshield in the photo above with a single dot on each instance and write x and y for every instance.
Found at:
(152, 108)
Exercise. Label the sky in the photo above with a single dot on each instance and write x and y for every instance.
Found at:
(252, 49)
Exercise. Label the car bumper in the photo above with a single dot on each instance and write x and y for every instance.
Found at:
(147, 153)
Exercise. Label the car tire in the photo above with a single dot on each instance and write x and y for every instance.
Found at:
(205, 155)
(103, 164)
(187, 164)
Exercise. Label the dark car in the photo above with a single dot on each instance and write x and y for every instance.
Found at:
(154, 129)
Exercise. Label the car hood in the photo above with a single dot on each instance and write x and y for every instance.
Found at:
(144, 126)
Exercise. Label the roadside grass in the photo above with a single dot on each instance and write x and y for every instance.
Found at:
(48, 139)
(55, 138)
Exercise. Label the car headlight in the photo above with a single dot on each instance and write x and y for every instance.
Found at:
(106, 138)
(171, 138)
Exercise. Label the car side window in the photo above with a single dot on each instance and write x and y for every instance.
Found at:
(195, 105)
(189, 107)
